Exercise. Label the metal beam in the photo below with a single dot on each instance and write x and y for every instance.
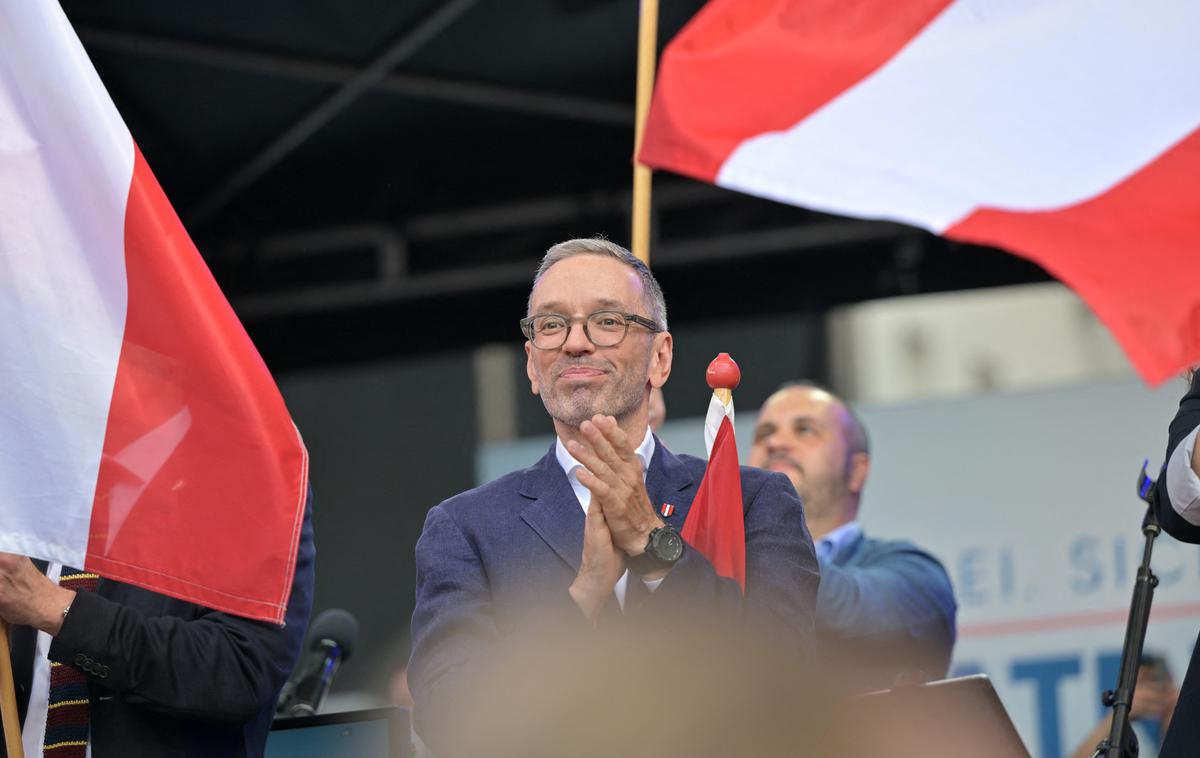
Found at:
(544, 211)
(403, 48)
(806, 238)
(457, 91)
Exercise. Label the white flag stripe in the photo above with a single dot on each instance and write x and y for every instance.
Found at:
(1029, 105)
(712, 420)
(66, 160)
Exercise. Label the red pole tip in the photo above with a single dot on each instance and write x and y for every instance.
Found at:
(723, 373)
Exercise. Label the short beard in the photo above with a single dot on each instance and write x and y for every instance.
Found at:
(619, 401)
(823, 501)
(576, 408)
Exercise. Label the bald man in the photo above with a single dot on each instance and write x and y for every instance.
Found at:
(885, 608)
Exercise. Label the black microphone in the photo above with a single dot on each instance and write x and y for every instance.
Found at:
(331, 640)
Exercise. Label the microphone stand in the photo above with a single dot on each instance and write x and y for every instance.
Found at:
(305, 697)
(1121, 741)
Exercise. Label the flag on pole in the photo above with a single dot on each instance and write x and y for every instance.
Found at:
(141, 435)
(1065, 131)
(715, 524)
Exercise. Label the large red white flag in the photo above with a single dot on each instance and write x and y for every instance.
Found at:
(141, 435)
(715, 523)
(1065, 131)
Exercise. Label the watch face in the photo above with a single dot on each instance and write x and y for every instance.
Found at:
(668, 545)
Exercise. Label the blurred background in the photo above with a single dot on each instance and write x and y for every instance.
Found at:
(372, 184)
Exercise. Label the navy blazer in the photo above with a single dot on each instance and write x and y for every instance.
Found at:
(886, 607)
(1183, 736)
(488, 556)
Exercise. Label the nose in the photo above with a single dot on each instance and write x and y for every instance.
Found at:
(777, 442)
(577, 341)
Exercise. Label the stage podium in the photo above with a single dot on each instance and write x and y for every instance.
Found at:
(373, 733)
(951, 718)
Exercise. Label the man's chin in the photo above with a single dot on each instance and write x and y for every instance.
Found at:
(574, 414)
(570, 414)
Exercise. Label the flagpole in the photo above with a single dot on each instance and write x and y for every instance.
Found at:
(647, 53)
(8, 699)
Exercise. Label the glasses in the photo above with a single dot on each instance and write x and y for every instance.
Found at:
(603, 328)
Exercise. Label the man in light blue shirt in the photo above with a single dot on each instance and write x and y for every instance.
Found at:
(885, 608)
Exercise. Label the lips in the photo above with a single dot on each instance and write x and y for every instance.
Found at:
(580, 372)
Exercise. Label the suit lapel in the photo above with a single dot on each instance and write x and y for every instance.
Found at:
(555, 513)
(668, 482)
(557, 518)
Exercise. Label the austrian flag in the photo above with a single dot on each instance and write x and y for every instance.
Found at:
(715, 525)
(141, 435)
(1065, 131)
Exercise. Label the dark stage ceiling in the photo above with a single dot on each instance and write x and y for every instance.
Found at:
(370, 179)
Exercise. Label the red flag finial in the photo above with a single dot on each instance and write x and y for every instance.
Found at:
(723, 373)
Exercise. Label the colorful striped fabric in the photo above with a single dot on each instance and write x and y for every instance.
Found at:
(67, 714)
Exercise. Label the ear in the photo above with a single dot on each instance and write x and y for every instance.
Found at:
(860, 467)
(660, 359)
(533, 382)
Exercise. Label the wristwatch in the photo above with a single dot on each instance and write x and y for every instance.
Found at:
(663, 549)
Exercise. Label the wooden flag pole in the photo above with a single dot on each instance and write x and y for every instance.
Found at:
(647, 54)
(8, 699)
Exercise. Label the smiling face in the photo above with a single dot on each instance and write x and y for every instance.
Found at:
(580, 380)
(802, 432)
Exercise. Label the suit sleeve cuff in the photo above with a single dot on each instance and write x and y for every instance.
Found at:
(81, 640)
(1183, 485)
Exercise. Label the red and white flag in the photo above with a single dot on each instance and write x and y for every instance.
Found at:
(715, 523)
(141, 435)
(1066, 131)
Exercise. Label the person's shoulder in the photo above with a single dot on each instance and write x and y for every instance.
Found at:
(748, 473)
(690, 462)
(758, 476)
(486, 498)
(753, 479)
(874, 548)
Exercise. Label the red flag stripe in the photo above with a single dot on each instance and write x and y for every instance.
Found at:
(1130, 253)
(736, 71)
(199, 448)
(715, 523)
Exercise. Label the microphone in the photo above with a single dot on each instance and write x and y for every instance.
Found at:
(331, 640)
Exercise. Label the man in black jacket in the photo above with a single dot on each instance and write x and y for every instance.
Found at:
(1177, 506)
(164, 677)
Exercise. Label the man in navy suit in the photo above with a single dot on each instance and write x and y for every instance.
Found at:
(591, 531)
(885, 607)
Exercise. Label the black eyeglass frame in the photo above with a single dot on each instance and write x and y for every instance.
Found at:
(630, 318)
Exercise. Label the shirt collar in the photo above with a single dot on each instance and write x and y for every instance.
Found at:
(644, 452)
(839, 538)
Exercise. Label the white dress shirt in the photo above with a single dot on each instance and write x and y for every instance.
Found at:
(570, 467)
(1183, 485)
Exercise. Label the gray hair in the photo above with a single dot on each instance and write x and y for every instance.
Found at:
(857, 440)
(655, 302)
